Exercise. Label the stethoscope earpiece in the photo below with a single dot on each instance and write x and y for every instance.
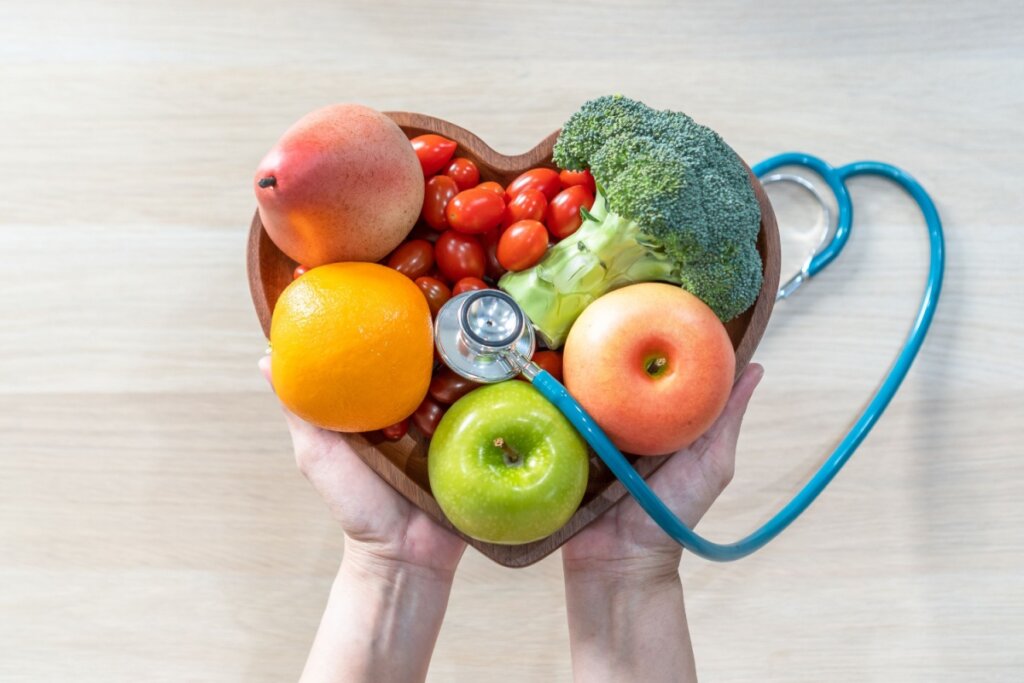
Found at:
(793, 283)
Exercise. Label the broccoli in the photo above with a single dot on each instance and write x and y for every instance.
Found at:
(674, 204)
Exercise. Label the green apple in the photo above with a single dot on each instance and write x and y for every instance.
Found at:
(506, 466)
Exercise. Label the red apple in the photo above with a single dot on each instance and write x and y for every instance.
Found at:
(652, 364)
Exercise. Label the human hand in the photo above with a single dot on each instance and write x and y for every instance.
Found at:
(382, 527)
(624, 598)
(626, 539)
(389, 598)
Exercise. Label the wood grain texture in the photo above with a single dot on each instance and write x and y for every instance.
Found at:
(403, 463)
(153, 526)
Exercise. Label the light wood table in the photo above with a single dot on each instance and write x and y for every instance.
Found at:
(152, 524)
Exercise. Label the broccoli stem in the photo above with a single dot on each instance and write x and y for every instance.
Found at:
(605, 253)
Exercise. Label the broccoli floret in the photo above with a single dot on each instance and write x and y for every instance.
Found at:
(593, 124)
(674, 204)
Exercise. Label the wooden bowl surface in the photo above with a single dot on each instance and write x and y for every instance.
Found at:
(403, 464)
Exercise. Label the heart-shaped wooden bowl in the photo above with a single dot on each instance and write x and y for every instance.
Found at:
(403, 464)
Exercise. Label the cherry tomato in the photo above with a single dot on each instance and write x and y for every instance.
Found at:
(563, 214)
(437, 292)
(527, 205)
(475, 211)
(421, 231)
(550, 361)
(464, 172)
(522, 245)
(543, 179)
(490, 240)
(413, 259)
(427, 416)
(299, 271)
(438, 191)
(494, 187)
(437, 275)
(459, 255)
(433, 151)
(448, 387)
(571, 178)
(468, 284)
(396, 431)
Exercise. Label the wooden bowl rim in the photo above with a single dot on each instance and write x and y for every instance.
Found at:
(529, 553)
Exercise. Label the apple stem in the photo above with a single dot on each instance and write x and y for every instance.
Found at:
(656, 364)
(511, 457)
(269, 181)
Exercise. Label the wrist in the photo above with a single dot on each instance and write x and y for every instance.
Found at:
(362, 562)
(651, 568)
(381, 621)
(627, 621)
(628, 585)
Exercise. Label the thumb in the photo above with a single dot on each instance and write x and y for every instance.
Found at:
(302, 432)
(732, 416)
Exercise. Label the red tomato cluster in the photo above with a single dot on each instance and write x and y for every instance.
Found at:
(472, 232)
(542, 205)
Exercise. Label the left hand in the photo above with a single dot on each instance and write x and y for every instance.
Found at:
(383, 528)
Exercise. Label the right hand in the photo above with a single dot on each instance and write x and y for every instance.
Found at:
(626, 540)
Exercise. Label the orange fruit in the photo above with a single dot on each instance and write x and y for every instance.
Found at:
(351, 347)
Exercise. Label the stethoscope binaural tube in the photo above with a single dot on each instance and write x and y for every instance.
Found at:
(637, 486)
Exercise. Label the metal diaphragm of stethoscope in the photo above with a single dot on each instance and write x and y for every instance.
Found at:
(485, 336)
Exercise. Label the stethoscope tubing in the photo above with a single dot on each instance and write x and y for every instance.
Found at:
(836, 178)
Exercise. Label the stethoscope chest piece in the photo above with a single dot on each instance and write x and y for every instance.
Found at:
(484, 336)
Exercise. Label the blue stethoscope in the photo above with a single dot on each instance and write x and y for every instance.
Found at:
(484, 336)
